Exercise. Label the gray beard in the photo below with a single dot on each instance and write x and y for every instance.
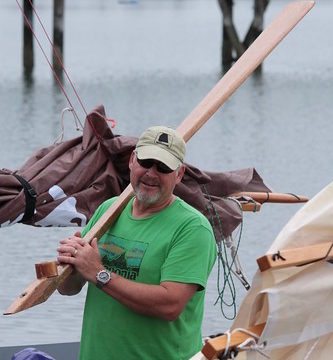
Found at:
(147, 199)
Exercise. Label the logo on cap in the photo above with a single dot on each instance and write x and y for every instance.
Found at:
(163, 139)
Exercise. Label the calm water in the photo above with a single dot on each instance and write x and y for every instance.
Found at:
(151, 62)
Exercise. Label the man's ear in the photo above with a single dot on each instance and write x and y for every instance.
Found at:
(131, 160)
(180, 174)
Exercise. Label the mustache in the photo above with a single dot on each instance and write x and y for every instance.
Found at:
(148, 181)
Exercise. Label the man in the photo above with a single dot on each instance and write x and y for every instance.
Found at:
(147, 274)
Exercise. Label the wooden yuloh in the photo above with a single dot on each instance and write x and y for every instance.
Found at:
(41, 289)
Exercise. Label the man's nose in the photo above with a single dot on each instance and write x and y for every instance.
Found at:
(152, 171)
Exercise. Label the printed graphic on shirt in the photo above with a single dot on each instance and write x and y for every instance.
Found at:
(122, 256)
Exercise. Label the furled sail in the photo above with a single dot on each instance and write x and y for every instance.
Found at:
(294, 302)
(62, 184)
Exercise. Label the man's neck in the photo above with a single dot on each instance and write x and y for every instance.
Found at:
(142, 210)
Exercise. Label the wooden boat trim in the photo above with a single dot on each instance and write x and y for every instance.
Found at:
(296, 257)
(217, 346)
(241, 70)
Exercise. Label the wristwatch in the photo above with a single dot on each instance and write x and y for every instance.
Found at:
(102, 277)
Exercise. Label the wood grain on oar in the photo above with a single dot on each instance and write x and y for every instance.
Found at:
(296, 257)
(38, 291)
(246, 64)
(41, 289)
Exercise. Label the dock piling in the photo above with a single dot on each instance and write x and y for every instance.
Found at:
(28, 51)
(58, 34)
(232, 47)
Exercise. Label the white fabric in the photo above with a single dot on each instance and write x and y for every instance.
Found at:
(65, 213)
(296, 302)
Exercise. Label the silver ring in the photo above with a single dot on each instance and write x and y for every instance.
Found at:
(75, 252)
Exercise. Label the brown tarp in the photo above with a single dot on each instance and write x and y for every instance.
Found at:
(73, 177)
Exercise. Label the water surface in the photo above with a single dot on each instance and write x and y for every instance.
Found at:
(151, 62)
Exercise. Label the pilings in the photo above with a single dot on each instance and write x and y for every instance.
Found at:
(28, 50)
(58, 36)
(232, 47)
(257, 25)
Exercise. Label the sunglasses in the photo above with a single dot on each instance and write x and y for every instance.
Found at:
(161, 168)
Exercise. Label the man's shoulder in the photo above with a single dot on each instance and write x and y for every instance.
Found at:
(107, 203)
(192, 213)
(104, 206)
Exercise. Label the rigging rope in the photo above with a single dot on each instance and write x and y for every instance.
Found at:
(224, 263)
(62, 67)
(250, 344)
(47, 59)
(61, 136)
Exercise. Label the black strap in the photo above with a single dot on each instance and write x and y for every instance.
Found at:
(30, 198)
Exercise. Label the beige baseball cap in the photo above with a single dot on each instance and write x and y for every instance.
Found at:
(163, 144)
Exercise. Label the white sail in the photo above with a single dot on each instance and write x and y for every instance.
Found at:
(295, 302)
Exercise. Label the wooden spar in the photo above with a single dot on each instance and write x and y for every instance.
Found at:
(296, 257)
(251, 201)
(246, 64)
(271, 197)
(216, 346)
(251, 206)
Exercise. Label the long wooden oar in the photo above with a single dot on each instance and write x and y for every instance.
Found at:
(41, 289)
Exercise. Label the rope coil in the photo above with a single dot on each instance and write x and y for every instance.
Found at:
(224, 262)
(77, 122)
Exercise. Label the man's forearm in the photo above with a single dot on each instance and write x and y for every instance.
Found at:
(166, 300)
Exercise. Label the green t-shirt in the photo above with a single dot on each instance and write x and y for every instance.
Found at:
(176, 244)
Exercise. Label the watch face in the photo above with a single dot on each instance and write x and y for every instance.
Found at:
(103, 276)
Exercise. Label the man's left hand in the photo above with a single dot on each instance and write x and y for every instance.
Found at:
(83, 256)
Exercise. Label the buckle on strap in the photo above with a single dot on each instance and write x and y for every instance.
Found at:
(32, 192)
